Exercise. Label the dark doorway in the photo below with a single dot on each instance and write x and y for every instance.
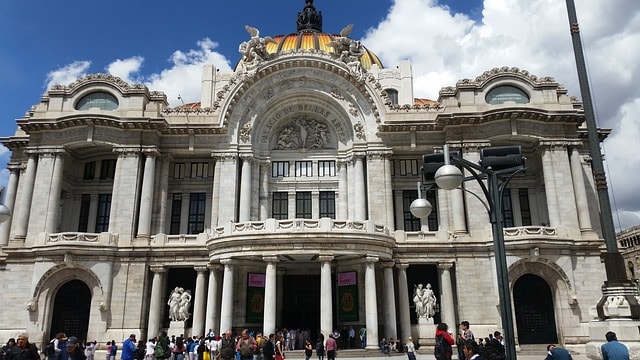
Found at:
(184, 278)
(423, 274)
(71, 308)
(301, 308)
(535, 317)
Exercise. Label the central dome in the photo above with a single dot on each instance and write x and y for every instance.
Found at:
(311, 37)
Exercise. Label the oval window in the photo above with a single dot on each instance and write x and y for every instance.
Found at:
(101, 100)
(502, 94)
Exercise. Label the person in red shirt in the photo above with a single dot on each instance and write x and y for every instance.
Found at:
(444, 341)
(331, 347)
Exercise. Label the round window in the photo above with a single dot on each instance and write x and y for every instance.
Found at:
(101, 100)
(502, 94)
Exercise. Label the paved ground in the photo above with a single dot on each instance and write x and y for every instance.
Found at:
(422, 355)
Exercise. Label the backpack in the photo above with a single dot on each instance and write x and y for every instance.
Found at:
(320, 348)
(493, 351)
(50, 349)
(442, 349)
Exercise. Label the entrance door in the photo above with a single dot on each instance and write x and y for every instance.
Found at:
(535, 317)
(301, 303)
(71, 310)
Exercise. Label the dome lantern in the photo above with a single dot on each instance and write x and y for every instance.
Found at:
(309, 19)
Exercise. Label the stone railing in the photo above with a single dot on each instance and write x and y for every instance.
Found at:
(529, 231)
(300, 225)
(104, 238)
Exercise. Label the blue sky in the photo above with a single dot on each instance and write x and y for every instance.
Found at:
(163, 44)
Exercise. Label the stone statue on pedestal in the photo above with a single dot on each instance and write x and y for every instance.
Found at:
(179, 304)
(425, 301)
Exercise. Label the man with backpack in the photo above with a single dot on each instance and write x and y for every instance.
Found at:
(442, 350)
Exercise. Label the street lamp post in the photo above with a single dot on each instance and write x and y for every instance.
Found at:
(498, 165)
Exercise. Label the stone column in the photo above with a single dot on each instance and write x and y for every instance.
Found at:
(157, 300)
(163, 194)
(227, 193)
(245, 189)
(389, 193)
(371, 302)
(9, 201)
(263, 200)
(457, 200)
(403, 302)
(269, 321)
(326, 304)
(125, 189)
(580, 191)
(550, 187)
(212, 319)
(447, 303)
(200, 301)
(215, 193)
(390, 324)
(226, 309)
(53, 210)
(342, 212)
(360, 193)
(26, 194)
(146, 200)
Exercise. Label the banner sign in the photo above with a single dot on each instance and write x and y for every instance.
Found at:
(255, 298)
(348, 296)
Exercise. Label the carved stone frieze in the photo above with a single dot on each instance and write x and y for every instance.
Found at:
(358, 129)
(245, 132)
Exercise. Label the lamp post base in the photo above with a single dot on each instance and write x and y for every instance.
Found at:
(626, 331)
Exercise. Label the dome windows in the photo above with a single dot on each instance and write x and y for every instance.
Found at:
(506, 93)
(100, 99)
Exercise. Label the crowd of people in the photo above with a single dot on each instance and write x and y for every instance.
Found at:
(248, 345)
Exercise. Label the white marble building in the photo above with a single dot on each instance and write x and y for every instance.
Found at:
(293, 173)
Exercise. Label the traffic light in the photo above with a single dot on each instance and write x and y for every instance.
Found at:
(432, 162)
(501, 157)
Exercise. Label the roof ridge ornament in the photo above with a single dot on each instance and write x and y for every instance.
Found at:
(309, 19)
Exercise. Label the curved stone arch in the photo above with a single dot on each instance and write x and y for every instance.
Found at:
(57, 275)
(546, 269)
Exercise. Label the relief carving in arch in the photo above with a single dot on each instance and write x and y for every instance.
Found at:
(304, 133)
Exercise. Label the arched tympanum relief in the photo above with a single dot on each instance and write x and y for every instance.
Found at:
(304, 133)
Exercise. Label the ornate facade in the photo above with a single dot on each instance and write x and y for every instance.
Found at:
(282, 198)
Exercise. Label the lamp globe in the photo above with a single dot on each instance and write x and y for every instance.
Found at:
(448, 177)
(420, 208)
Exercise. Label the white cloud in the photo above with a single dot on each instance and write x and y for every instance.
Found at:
(532, 35)
(67, 74)
(126, 69)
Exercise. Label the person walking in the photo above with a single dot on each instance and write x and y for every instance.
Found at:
(410, 348)
(444, 341)
(331, 346)
(129, 348)
(612, 349)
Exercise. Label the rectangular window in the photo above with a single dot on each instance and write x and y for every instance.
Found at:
(525, 209)
(107, 169)
(85, 205)
(405, 167)
(280, 169)
(507, 208)
(327, 168)
(412, 223)
(199, 170)
(280, 206)
(178, 170)
(197, 209)
(328, 204)
(304, 168)
(303, 205)
(176, 214)
(89, 171)
(104, 209)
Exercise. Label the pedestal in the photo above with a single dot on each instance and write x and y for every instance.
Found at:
(426, 331)
(626, 332)
(177, 328)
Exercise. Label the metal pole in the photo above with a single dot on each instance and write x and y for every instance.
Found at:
(504, 293)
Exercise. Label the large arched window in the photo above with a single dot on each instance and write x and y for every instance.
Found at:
(504, 93)
(100, 99)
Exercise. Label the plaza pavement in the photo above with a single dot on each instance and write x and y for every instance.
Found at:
(528, 354)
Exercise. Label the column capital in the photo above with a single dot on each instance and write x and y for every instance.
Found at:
(214, 267)
(227, 262)
(402, 266)
(271, 259)
(372, 259)
(326, 258)
(387, 264)
(150, 150)
(158, 269)
(555, 145)
(201, 268)
(445, 265)
(125, 151)
(51, 151)
(223, 156)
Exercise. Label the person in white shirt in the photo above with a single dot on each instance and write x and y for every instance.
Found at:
(150, 350)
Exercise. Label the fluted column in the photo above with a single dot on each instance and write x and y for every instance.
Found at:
(269, 321)
(457, 200)
(126, 184)
(550, 187)
(263, 200)
(200, 301)
(343, 191)
(371, 302)
(26, 195)
(245, 189)
(215, 193)
(9, 201)
(226, 308)
(446, 297)
(360, 200)
(53, 210)
(163, 194)
(156, 301)
(146, 200)
(580, 191)
(212, 318)
(403, 302)
(388, 192)
(326, 304)
(390, 324)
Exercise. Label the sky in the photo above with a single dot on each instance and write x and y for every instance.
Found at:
(163, 44)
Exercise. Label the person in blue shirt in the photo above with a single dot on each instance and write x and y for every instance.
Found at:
(612, 349)
(129, 348)
(557, 353)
